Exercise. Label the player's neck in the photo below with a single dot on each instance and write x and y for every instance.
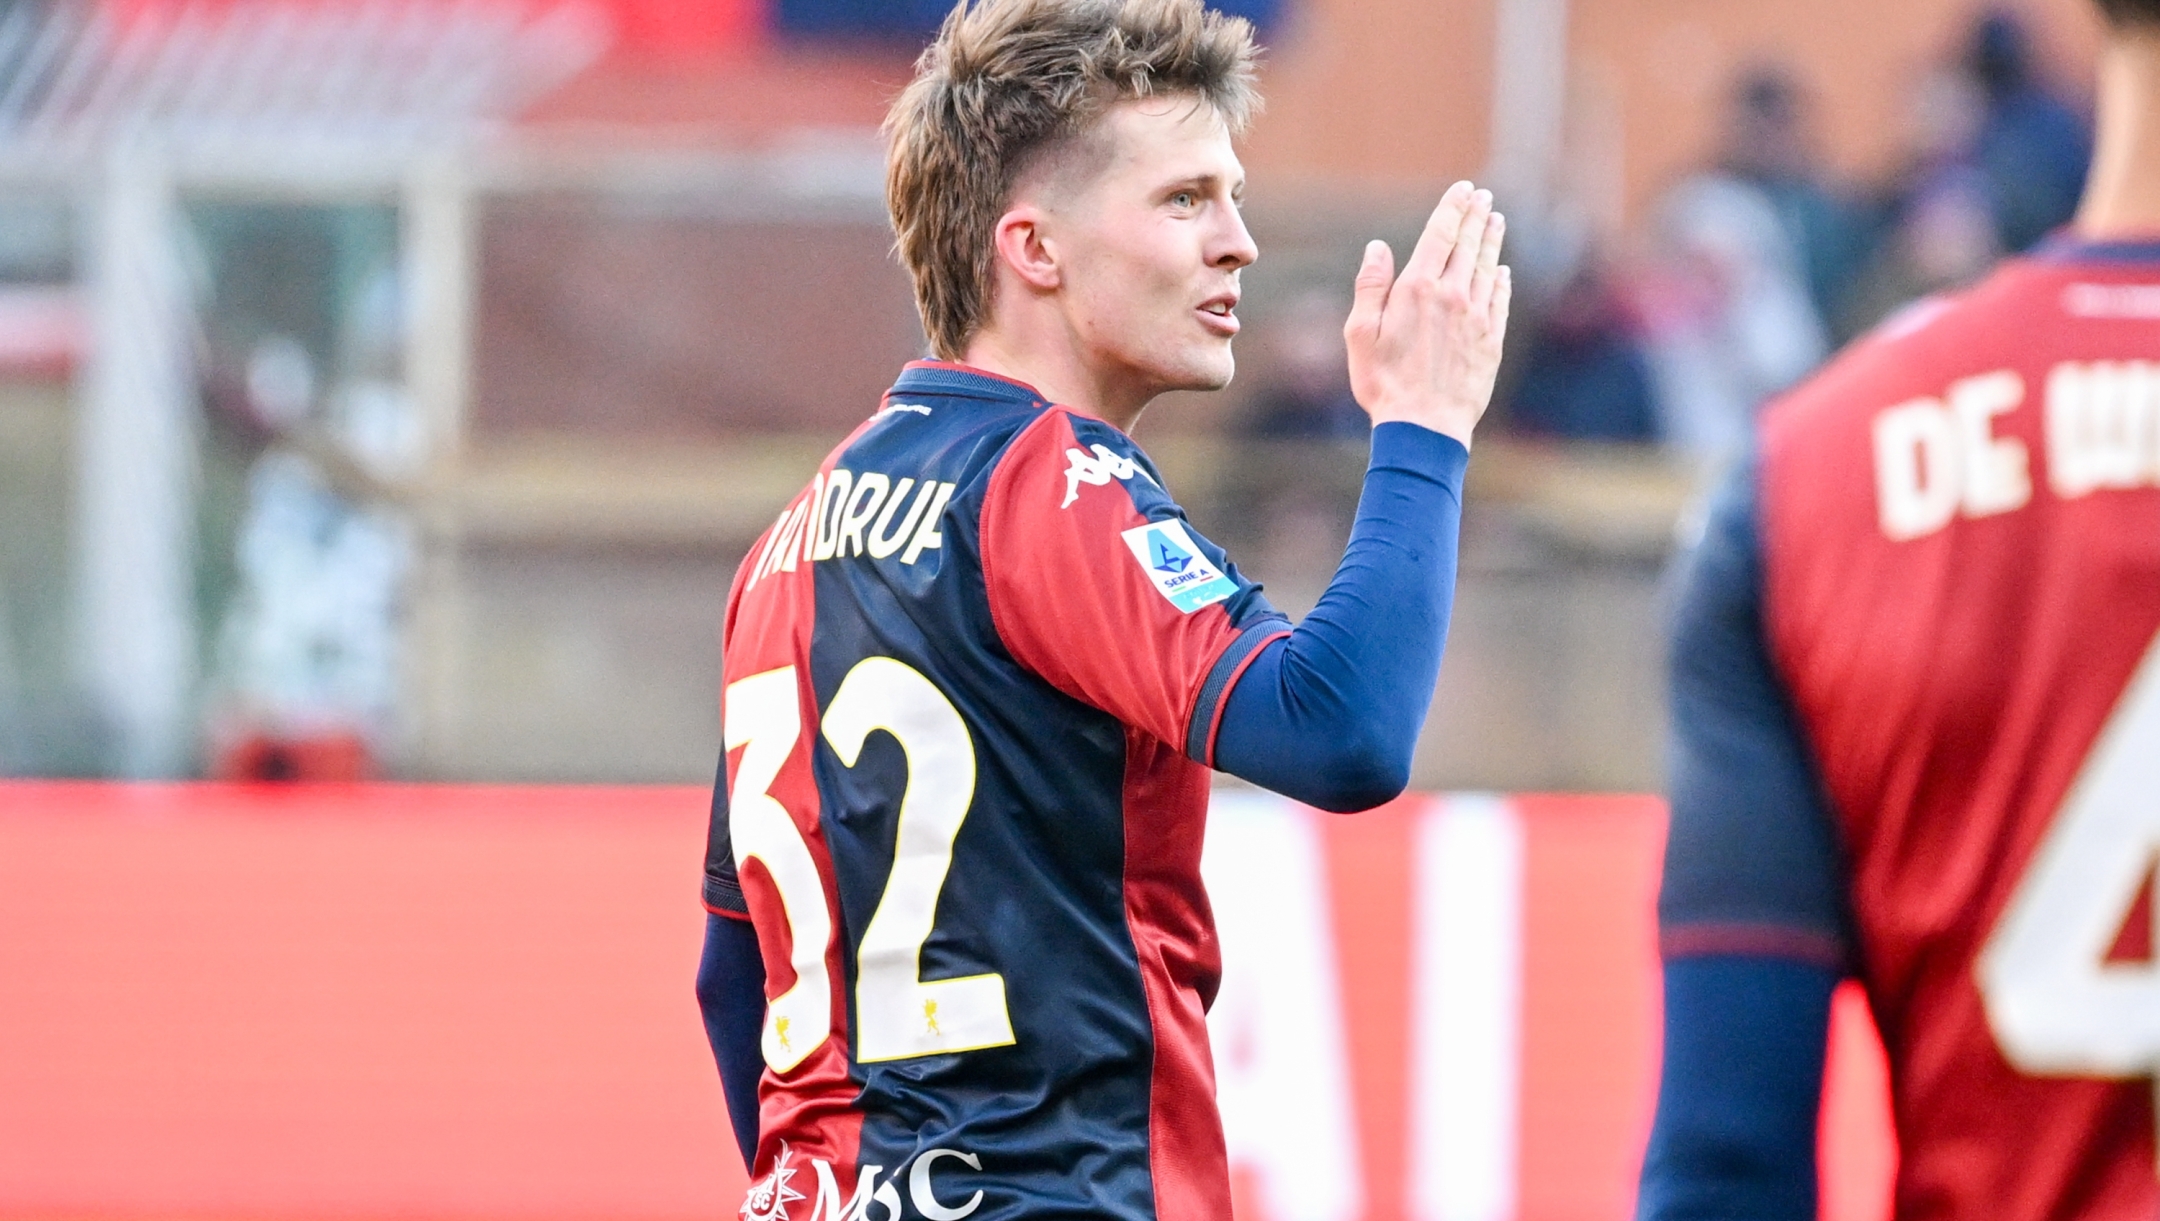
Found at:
(2122, 197)
(1047, 358)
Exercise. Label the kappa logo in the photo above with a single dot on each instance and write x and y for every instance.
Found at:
(1095, 470)
(1176, 567)
(770, 1196)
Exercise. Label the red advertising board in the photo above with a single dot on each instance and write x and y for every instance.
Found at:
(432, 1002)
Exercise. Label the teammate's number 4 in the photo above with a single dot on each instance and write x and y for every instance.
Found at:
(2056, 1005)
(898, 1014)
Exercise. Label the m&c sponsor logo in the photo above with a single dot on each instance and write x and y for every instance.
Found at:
(1176, 567)
(770, 1196)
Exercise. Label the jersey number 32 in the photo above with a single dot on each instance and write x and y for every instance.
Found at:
(898, 1014)
(2057, 1006)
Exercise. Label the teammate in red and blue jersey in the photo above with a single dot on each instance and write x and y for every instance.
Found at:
(976, 673)
(1916, 701)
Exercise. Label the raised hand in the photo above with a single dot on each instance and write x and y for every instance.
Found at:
(1425, 346)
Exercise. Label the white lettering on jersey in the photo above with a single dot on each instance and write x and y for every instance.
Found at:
(2103, 426)
(828, 1206)
(920, 1190)
(1916, 491)
(871, 491)
(1096, 471)
(770, 1196)
(795, 530)
(2056, 1003)
(846, 514)
(827, 538)
(915, 408)
(928, 535)
(2112, 300)
(1937, 457)
(1997, 474)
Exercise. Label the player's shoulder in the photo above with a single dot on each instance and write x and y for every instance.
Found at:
(1006, 449)
(1905, 354)
(2066, 293)
(1003, 440)
(947, 415)
(1067, 462)
(888, 487)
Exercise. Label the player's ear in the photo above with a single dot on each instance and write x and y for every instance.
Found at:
(1023, 243)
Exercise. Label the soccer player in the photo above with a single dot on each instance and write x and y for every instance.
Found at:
(976, 673)
(1916, 701)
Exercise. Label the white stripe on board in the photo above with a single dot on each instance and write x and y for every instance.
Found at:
(1282, 1075)
(1465, 1041)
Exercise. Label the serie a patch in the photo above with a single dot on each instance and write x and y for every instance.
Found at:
(1178, 569)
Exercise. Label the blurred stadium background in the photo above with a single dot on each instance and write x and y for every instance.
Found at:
(389, 387)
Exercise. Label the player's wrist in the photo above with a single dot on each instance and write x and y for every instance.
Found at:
(1399, 445)
(1449, 419)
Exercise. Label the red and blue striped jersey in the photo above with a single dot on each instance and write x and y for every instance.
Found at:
(1917, 698)
(971, 681)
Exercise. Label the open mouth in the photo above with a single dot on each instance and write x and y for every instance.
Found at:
(1221, 315)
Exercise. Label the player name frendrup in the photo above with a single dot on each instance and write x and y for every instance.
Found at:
(845, 514)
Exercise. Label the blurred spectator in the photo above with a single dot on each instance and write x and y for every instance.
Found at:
(310, 647)
(1728, 318)
(1307, 394)
(309, 441)
(1584, 375)
(1942, 237)
(1936, 220)
(2032, 147)
(1768, 146)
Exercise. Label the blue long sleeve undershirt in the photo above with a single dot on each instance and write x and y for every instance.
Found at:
(731, 995)
(1330, 715)
(1740, 1093)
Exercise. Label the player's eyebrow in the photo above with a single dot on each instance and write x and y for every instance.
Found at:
(1206, 184)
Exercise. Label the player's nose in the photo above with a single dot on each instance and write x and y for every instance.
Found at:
(1233, 246)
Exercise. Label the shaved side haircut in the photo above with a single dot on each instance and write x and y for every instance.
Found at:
(1008, 83)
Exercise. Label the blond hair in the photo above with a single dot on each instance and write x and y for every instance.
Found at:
(1007, 81)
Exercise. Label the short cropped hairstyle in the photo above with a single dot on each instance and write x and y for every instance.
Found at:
(2131, 12)
(1008, 81)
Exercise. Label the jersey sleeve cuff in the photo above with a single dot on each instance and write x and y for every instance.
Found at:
(1206, 720)
(724, 897)
(1811, 946)
(1419, 450)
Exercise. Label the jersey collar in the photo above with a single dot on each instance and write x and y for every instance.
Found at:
(964, 381)
(2065, 247)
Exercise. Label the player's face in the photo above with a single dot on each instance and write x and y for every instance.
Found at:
(1151, 248)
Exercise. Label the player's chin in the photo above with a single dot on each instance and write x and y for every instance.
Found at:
(1208, 366)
